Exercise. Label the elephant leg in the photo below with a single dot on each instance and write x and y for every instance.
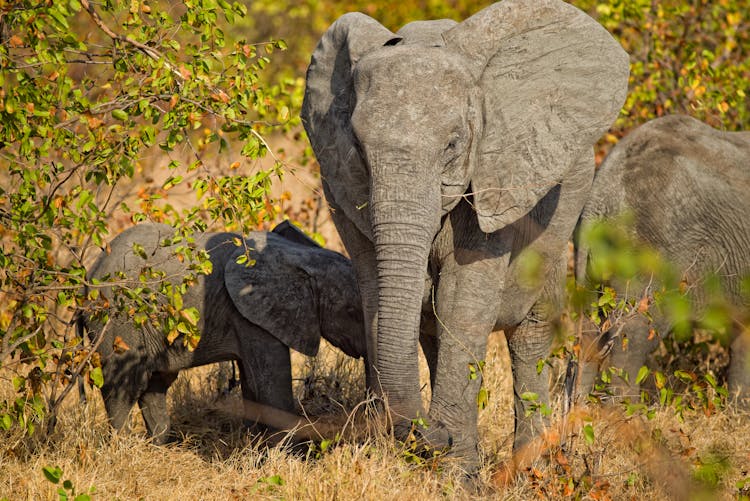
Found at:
(153, 404)
(629, 352)
(528, 344)
(739, 368)
(456, 384)
(265, 370)
(592, 348)
(463, 324)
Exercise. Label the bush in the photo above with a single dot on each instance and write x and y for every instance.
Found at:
(87, 91)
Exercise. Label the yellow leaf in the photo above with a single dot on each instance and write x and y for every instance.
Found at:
(234, 165)
(172, 336)
(734, 18)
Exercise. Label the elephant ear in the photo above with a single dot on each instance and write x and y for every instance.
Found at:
(553, 81)
(427, 33)
(294, 234)
(276, 294)
(328, 105)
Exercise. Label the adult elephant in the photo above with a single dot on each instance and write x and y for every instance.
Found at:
(449, 153)
(685, 185)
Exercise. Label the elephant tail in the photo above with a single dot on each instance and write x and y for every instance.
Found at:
(80, 325)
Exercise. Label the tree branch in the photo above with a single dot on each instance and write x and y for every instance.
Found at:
(149, 51)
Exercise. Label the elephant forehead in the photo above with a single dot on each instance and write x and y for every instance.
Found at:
(422, 75)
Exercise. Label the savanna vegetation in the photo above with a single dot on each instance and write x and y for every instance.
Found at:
(117, 112)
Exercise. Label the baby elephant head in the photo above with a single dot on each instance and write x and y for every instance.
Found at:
(298, 292)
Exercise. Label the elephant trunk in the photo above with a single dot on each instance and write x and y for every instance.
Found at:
(404, 226)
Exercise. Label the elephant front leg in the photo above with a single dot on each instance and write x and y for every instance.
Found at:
(463, 324)
(266, 370)
(153, 404)
(457, 380)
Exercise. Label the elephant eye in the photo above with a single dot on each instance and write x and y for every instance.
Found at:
(451, 151)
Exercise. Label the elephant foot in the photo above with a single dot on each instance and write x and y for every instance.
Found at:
(433, 440)
(165, 438)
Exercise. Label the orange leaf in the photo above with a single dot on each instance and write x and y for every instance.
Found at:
(643, 305)
(15, 41)
(119, 345)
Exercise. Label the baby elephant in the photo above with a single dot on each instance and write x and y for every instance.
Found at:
(295, 292)
(686, 186)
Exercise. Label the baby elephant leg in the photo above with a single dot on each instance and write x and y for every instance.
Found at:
(592, 350)
(629, 352)
(153, 404)
(266, 371)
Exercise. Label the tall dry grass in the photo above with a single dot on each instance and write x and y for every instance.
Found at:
(216, 457)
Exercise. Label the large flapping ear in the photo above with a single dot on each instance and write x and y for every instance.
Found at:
(277, 295)
(553, 81)
(328, 105)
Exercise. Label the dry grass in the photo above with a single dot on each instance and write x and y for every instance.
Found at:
(217, 458)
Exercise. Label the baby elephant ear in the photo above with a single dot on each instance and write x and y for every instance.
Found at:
(554, 81)
(278, 296)
(294, 234)
(327, 108)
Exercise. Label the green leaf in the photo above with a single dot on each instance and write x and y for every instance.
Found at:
(643, 373)
(272, 480)
(121, 115)
(6, 421)
(97, 377)
(192, 315)
(139, 251)
(588, 434)
(52, 473)
(483, 398)
(529, 396)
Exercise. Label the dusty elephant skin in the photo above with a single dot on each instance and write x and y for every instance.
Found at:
(295, 292)
(451, 154)
(685, 185)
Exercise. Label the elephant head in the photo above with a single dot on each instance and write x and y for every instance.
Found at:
(298, 291)
(497, 109)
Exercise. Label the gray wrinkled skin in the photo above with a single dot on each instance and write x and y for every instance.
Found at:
(687, 188)
(295, 292)
(452, 155)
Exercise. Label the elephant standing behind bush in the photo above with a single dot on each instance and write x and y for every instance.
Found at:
(686, 187)
(454, 156)
(295, 292)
